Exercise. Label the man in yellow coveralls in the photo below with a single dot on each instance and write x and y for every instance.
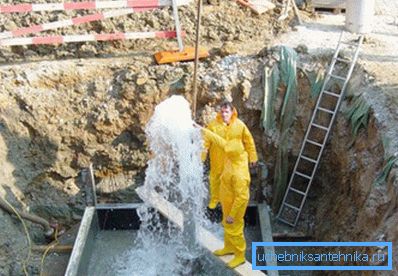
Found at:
(235, 148)
(228, 126)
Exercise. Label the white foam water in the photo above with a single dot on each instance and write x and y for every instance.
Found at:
(175, 171)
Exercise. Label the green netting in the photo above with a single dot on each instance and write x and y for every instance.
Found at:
(391, 160)
(286, 74)
(358, 115)
(270, 84)
(382, 177)
(316, 79)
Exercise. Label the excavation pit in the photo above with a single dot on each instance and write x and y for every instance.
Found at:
(59, 116)
(106, 238)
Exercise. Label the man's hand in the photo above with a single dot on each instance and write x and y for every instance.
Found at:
(253, 164)
(229, 220)
(196, 125)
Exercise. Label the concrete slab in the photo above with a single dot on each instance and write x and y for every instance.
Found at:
(266, 233)
(84, 236)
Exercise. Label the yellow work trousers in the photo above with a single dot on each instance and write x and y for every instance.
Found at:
(234, 194)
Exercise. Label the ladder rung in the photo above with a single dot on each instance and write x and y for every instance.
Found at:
(308, 159)
(343, 60)
(287, 222)
(303, 175)
(319, 126)
(331, 93)
(291, 206)
(297, 191)
(338, 77)
(314, 143)
(349, 43)
(326, 110)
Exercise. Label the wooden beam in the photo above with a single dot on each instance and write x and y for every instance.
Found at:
(60, 248)
(329, 4)
(258, 6)
(205, 238)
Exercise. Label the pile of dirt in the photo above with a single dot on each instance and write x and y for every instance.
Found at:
(223, 21)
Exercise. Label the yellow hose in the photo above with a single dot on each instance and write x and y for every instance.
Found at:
(27, 236)
(47, 250)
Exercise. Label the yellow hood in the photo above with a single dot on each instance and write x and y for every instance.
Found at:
(233, 118)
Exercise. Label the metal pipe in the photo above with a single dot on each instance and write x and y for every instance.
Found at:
(178, 26)
(32, 218)
(195, 71)
(296, 12)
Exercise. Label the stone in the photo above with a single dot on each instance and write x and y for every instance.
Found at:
(30, 53)
(214, 2)
(153, 22)
(70, 187)
(141, 79)
(10, 25)
(302, 49)
(228, 48)
(245, 88)
(88, 50)
(128, 92)
(212, 35)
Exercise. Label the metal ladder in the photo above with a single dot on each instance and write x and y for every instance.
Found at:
(177, 23)
(316, 135)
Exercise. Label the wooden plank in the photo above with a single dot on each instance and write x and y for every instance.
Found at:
(60, 248)
(205, 238)
(258, 6)
(329, 4)
(291, 235)
(266, 234)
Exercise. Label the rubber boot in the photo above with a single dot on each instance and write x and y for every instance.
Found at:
(223, 251)
(226, 250)
(238, 260)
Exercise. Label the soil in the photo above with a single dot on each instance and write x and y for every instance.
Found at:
(222, 22)
(64, 107)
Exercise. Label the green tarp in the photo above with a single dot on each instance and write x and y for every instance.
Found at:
(283, 73)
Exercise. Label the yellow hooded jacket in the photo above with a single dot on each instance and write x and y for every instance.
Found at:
(235, 168)
(236, 130)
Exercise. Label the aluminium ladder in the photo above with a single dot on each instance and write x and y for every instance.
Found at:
(300, 181)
